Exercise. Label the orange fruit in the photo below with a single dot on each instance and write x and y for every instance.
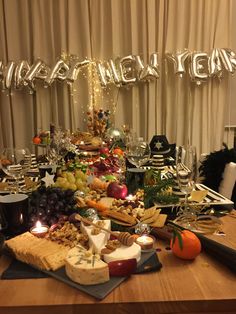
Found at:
(191, 245)
(36, 140)
(118, 151)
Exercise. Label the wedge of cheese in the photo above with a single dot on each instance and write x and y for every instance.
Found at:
(97, 241)
(124, 252)
(85, 268)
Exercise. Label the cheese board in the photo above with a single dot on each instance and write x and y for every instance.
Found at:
(84, 258)
(149, 262)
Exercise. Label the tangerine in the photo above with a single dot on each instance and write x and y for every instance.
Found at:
(190, 248)
(118, 151)
(37, 140)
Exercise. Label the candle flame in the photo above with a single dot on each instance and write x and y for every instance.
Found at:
(145, 239)
(38, 224)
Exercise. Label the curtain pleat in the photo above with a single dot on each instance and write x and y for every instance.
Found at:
(108, 29)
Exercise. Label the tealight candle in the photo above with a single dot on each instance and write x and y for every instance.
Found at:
(39, 230)
(146, 242)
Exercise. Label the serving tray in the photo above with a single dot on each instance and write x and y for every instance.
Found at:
(35, 180)
(212, 198)
(149, 262)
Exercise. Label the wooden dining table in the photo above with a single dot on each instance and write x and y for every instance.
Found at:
(203, 285)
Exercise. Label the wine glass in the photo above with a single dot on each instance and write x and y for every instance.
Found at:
(57, 149)
(186, 170)
(138, 152)
(15, 162)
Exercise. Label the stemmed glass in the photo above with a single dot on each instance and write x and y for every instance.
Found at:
(15, 162)
(57, 149)
(138, 152)
(186, 170)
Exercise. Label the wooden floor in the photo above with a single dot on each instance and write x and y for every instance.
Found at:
(200, 286)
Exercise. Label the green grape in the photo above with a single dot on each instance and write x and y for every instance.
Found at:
(70, 177)
(64, 174)
(73, 186)
(79, 183)
(80, 175)
(66, 185)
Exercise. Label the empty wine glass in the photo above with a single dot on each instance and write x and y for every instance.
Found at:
(57, 149)
(186, 170)
(138, 152)
(15, 162)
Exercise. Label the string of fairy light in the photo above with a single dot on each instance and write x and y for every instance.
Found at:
(98, 96)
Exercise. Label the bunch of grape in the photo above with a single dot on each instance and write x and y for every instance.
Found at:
(49, 205)
(72, 180)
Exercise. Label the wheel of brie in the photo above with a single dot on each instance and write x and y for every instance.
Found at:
(124, 252)
(85, 268)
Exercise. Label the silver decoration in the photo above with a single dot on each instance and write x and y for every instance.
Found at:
(142, 228)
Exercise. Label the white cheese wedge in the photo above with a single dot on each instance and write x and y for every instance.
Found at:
(97, 241)
(85, 268)
(124, 252)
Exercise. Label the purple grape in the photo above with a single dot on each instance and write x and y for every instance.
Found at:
(48, 211)
(40, 212)
(52, 220)
(53, 196)
(51, 203)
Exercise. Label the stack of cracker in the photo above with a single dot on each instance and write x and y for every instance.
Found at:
(41, 253)
(158, 162)
(153, 217)
(121, 218)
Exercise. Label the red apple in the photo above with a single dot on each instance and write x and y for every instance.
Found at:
(122, 268)
(104, 150)
(116, 190)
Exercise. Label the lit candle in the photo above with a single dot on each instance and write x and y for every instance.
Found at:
(82, 143)
(39, 230)
(146, 242)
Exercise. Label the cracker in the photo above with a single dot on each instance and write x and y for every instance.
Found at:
(148, 213)
(121, 216)
(153, 218)
(121, 222)
(42, 253)
(198, 196)
(160, 221)
(57, 260)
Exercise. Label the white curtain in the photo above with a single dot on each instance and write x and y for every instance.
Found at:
(104, 29)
